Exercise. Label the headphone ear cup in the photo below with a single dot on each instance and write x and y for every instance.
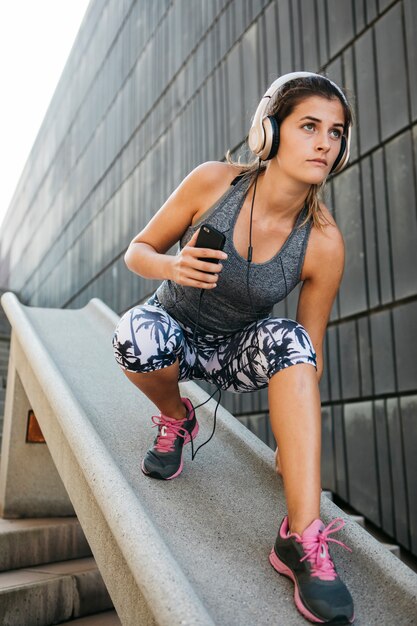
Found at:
(271, 145)
(340, 155)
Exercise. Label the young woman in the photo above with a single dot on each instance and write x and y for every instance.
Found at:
(213, 321)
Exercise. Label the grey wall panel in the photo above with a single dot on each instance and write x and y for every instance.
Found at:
(258, 424)
(382, 228)
(349, 82)
(235, 110)
(365, 357)
(334, 362)
(414, 139)
(405, 333)
(271, 60)
(396, 435)
(409, 417)
(349, 357)
(352, 294)
(384, 4)
(410, 20)
(297, 35)
(366, 92)
(341, 25)
(285, 42)
(391, 73)
(402, 214)
(322, 32)
(342, 479)
(335, 71)
(384, 468)
(309, 41)
(328, 471)
(382, 353)
(251, 86)
(371, 250)
(360, 14)
(263, 400)
(361, 459)
(324, 381)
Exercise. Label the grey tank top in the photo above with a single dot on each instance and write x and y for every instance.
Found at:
(227, 308)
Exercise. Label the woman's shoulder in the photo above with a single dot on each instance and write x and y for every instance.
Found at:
(214, 173)
(209, 181)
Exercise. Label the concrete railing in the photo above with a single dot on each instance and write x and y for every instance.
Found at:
(189, 551)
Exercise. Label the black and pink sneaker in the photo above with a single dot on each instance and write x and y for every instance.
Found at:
(319, 594)
(164, 459)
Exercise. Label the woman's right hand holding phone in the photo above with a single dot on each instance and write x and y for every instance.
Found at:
(191, 270)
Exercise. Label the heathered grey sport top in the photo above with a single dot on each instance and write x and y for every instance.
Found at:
(227, 308)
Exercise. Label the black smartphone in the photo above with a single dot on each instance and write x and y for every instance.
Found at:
(209, 237)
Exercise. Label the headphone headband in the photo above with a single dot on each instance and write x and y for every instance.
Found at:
(263, 137)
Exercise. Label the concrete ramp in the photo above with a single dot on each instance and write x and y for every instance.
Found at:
(192, 551)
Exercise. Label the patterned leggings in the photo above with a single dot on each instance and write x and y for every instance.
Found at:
(147, 338)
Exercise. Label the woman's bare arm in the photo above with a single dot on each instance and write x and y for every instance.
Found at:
(325, 271)
(146, 254)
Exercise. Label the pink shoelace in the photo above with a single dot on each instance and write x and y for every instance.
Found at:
(317, 550)
(169, 431)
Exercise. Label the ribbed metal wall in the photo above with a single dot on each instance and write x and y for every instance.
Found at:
(153, 88)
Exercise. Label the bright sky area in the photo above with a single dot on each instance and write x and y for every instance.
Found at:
(36, 37)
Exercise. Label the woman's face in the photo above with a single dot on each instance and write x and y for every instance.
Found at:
(310, 139)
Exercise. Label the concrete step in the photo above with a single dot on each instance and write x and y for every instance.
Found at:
(48, 562)
(393, 548)
(375, 532)
(52, 593)
(32, 542)
(109, 618)
(327, 494)
(4, 347)
(359, 519)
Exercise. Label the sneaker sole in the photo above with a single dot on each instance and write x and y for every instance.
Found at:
(187, 439)
(281, 568)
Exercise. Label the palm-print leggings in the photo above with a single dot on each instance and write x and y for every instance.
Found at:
(147, 338)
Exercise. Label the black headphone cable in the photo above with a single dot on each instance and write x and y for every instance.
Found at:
(195, 332)
(250, 249)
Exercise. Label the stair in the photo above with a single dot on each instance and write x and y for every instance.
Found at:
(4, 360)
(109, 618)
(47, 572)
(373, 530)
(48, 576)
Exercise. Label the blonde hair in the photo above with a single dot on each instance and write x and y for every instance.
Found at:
(281, 106)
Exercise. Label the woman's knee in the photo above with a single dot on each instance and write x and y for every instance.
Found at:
(285, 342)
(146, 339)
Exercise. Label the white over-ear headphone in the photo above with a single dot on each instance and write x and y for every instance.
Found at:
(263, 137)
